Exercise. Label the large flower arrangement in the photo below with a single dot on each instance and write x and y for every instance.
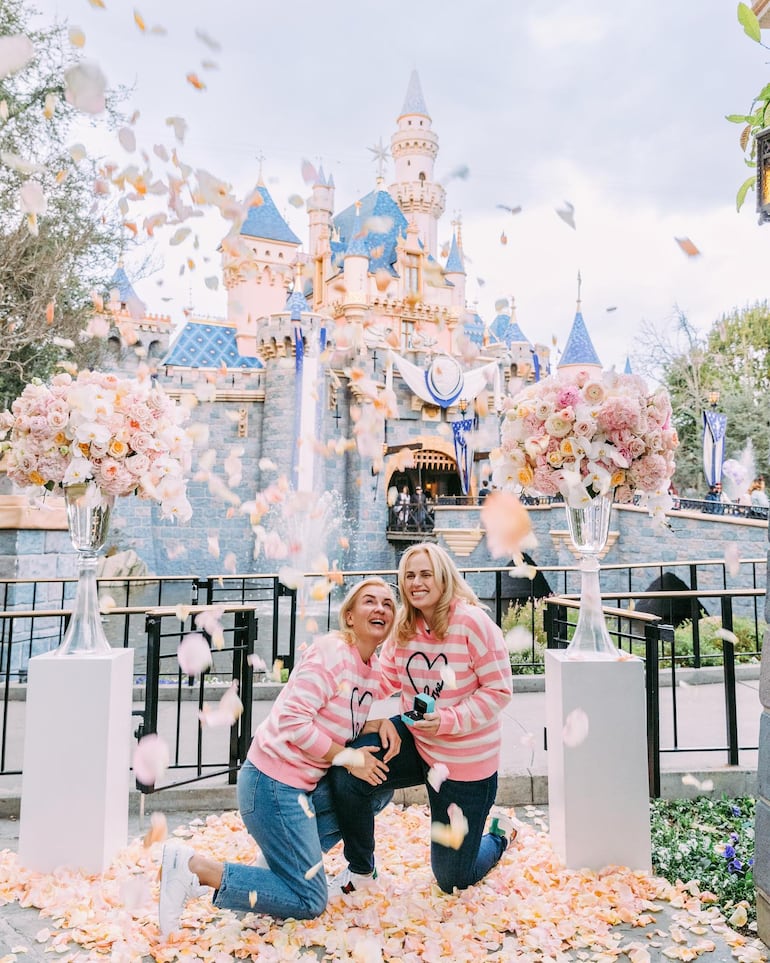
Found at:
(124, 434)
(583, 435)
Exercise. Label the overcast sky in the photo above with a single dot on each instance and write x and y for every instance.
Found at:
(617, 108)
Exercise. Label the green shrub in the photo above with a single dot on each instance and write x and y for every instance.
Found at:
(529, 660)
(710, 841)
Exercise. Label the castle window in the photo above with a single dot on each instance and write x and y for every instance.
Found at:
(267, 253)
(280, 255)
(407, 335)
(421, 175)
(413, 274)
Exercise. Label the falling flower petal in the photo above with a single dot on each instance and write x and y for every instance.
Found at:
(84, 87)
(194, 80)
(309, 173)
(158, 830)
(451, 836)
(305, 806)
(687, 246)
(733, 558)
(518, 639)
(575, 728)
(227, 712)
(106, 604)
(314, 869)
(437, 775)
(151, 759)
(448, 676)
(194, 654)
(567, 214)
(296, 201)
(352, 758)
(208, 40)
(507, 523)
(16, 51)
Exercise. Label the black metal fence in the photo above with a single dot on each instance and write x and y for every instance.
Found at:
(260, 614)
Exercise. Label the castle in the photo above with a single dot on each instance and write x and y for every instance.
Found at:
(353, 367)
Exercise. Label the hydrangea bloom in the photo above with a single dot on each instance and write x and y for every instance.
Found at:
(124, 434)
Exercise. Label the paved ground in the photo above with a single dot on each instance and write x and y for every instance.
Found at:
(700, 712)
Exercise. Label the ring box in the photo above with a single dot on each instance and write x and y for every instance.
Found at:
(422, 705)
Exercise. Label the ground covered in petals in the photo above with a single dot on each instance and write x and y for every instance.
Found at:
(528, 908)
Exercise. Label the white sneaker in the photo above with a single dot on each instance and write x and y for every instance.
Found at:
(177, 885)
(349, 882)
(502, 825)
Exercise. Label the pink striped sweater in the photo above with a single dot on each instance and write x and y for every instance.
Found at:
(326, 700)
(469, 675)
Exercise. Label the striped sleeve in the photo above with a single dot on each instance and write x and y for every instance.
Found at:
(491, 665)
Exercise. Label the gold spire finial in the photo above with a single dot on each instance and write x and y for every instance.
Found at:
(260, 158)
(580, 282)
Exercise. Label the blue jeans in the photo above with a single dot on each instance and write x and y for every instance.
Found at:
(290, 842)
(452, 868)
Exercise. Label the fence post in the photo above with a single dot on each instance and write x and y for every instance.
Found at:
(152, 680)
(652, 635)
(498, 597)
(695, 617)
(243, 647)
(731, 707)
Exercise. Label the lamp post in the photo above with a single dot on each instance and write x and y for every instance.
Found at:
(763, 175)
(714, 398)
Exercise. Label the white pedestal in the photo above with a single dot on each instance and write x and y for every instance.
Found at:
(598, 791)
(77, 755)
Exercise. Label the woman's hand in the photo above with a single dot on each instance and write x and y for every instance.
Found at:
(374, 771)
(429, 723)
(390, 739)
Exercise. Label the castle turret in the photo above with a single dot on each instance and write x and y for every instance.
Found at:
(455, 271)
(579, 351)
(257, 268)
(355, 271)
(320, 207)
(414, 147)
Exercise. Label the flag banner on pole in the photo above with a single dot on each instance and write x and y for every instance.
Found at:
(714, 426)
(463, 451)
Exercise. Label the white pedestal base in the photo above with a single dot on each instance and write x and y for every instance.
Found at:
(598, 791)
(77, 755)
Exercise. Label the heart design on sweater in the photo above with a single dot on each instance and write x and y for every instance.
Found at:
(429, 663)
(356, 702)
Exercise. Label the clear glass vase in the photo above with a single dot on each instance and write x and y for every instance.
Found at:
(588, 529)
(88, 518)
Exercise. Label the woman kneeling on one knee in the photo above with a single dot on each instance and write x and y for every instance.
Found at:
(448, 652)
(320, 710)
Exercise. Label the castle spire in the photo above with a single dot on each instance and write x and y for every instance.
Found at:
(414, 102)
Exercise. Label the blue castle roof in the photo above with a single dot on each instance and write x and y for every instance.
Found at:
(474, 330)
(579, 348)
(265, 222)
(356, 245)
(296, 303)
(505, 330)
(454, 263)
(202, 345)
(380, 246)
(125, 288)
(627, 369)
(414, 102)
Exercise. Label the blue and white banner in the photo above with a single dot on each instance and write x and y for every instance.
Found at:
(463, 450)
(714, 427)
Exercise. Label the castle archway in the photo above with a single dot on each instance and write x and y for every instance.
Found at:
(435, 470)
